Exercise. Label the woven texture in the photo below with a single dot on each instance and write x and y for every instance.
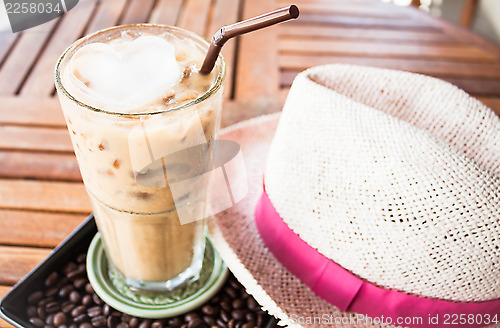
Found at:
(235, 236)
(394, 176)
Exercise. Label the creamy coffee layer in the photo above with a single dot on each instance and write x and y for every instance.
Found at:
(149, 72)
(138, 73)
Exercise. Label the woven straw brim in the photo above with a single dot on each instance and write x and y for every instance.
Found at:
(235, 236)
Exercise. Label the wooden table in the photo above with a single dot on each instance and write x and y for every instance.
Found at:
(42, 197)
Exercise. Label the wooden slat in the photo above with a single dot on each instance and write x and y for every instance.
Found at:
(430, 67)
(39, 139)
(29, 165)
(107, 15)
(38, 229)
(367, 48)
(42, 111)
(137, 12)
(18, 261)
(492, 102)
(3, 291)
(360, 21)
(349, 9)
(194, 16)
(340, 32)
(457, 32)
(257, 68)
(41, 80)
(477, 87)
(166, 12)
(44, 195)
(474, 87)
(7, 40)
(21, 59)
(226, 12)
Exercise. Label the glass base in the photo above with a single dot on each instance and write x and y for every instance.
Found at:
(113, 290)
(188, 276)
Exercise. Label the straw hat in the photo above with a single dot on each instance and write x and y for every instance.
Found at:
(382, 197)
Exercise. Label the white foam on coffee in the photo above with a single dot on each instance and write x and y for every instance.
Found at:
(126, 75)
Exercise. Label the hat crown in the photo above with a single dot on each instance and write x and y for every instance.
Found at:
(394, 176)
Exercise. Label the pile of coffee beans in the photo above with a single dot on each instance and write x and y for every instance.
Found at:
(68, 301)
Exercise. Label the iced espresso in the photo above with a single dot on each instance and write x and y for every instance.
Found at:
(134, 101)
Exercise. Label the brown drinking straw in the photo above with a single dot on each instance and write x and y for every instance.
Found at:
(249, 25)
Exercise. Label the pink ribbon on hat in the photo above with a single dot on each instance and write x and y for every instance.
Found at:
(347, 292)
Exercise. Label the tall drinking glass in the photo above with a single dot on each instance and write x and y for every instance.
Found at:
(138, 165)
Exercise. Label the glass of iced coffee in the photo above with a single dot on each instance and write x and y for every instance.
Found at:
(141, 120)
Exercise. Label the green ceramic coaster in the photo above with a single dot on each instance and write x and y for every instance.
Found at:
(148, 305)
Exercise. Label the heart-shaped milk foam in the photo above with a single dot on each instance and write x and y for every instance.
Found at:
(127, 76)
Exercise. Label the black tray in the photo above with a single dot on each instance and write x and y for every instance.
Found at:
(13, 305)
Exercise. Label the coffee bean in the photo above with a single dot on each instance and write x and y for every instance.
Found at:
(81, 318)
(48, 326)
(62, 282)
(238, 304)
(75, 297)
(51, 292)
(146, 324)
(52, 279)
(87, 300)
(52, 307)
(122, 325)
(89, 289)
(69, 267)
(81, 258)
(134, 322)
(44, 302)
(174, 322)
(59, 319)
(231, 323)
(231, 292)
(65, 291)
(221, 323)
(78, 310)
(73, 325)
(156, 324)
(99, 321)
(125, 317)
(209, 320)
(85, 325)
(252, 304)
(80, 283)
(94, 311)
(208, 310)
(224, 316)
(112, 321)
(67, 308)
(41, 312)
(235, 284)
(190, 316)
(63, 326)
(37, 322)
(260, 319)
(75, 274)
(196, 323)
(250, 324)
(50, 319)
(106, 310)
(31, 311)
(226, 306)
(250, 316)
(238, 314)
(97, 300)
